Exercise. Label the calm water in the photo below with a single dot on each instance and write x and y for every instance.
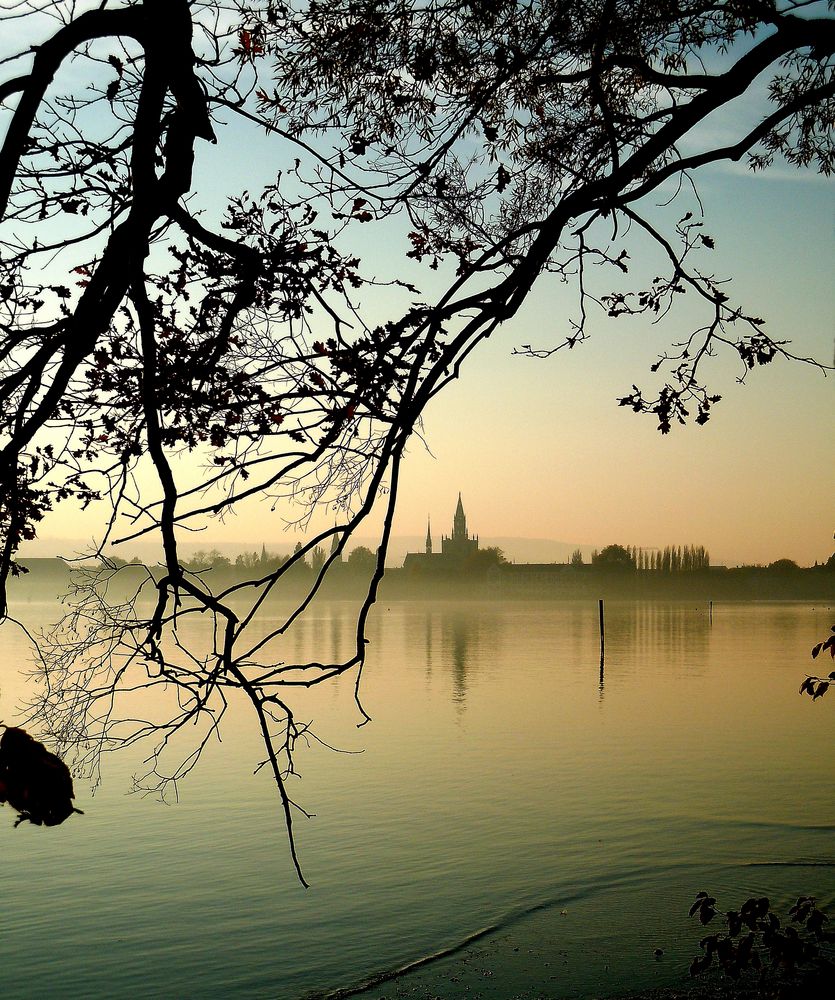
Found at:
(501, 786)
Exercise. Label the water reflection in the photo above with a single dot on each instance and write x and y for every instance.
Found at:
(677, 780)
(677, 635)
(456, 638)
(460, 634)
(463, 639)
(601, 682)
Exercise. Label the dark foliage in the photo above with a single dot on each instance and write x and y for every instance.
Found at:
(34, 781)
(614, 557)
(787, 957)
(816, 686)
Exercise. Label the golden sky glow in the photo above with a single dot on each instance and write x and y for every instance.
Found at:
(540, 449)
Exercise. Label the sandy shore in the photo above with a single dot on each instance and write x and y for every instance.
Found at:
(711, 989)
(503, 970)
(567, 953)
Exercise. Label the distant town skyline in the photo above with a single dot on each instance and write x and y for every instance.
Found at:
(443, 532)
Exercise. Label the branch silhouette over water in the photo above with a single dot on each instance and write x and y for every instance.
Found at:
(170, 374)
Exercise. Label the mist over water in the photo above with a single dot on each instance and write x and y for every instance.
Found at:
(503, 786)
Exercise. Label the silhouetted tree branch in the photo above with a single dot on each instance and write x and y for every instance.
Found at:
(501, 144)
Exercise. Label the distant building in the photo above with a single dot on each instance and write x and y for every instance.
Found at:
(455, 548)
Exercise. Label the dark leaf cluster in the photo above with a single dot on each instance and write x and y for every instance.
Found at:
(34, 782)
(815, 686)
(757, 941)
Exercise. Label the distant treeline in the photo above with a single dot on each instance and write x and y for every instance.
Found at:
(670, 559)
(360, 558)
(780, 580)
(684, 559)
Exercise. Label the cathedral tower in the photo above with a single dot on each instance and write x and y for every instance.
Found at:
(459, 546)
(459, 524)
(456, 550)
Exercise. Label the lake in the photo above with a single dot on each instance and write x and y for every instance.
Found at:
(543, 827)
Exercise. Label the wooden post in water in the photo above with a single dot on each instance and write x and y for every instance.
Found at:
(710, 612)
(602, 633)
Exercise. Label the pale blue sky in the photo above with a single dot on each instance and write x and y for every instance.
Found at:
(540, 448)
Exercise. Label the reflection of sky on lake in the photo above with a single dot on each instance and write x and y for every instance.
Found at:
(493, 779)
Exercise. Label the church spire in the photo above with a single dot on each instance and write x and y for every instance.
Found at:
(459, 524)
(428, 536)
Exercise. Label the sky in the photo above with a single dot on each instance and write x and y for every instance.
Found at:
(540, 448)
